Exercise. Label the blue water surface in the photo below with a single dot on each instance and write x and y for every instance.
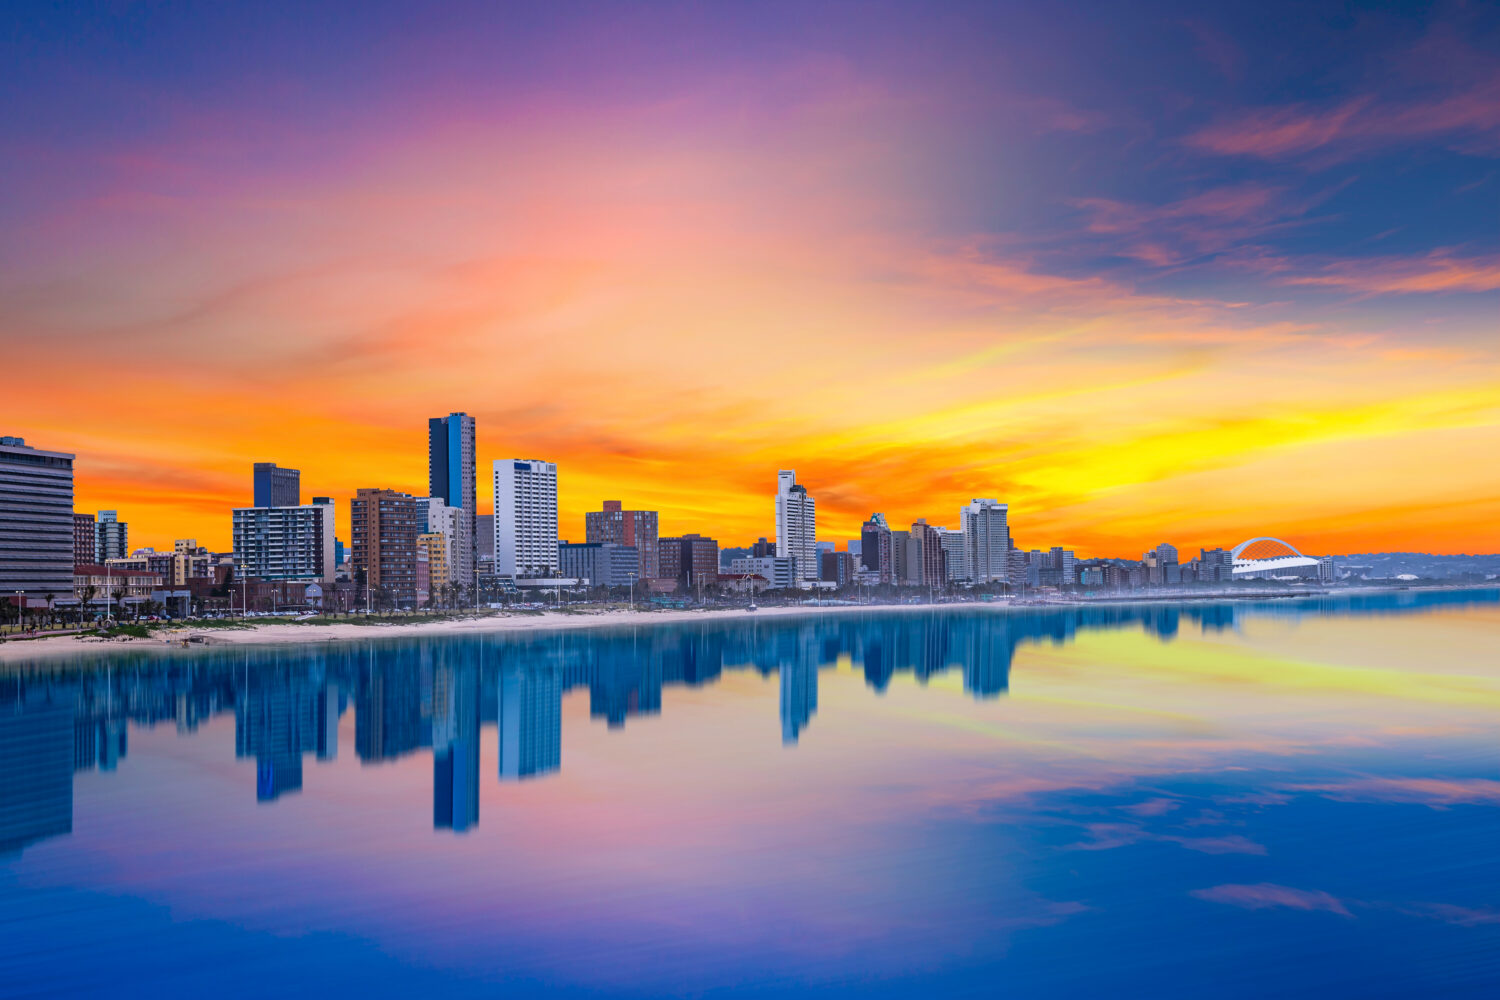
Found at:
(1285, 798)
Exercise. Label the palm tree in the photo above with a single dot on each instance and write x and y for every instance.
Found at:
(50, 597)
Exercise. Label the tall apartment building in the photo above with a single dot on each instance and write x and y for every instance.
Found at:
(383, 530)
(84, 551)
(111, 537)
(694, 557)
(932, 565)
(987, 534)
(283, 543)
(453, 523)
(796, 524)
(436, 547)
(637, 528)
(277, 487)
(875, 548)
(36, 521)
(451, 478)
(955, 554)
(525, 518)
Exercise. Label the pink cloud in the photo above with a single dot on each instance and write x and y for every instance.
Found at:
(1435, 792)
(1267, 895)
(1295, 129)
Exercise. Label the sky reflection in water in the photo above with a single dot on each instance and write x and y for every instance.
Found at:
(1298, 799)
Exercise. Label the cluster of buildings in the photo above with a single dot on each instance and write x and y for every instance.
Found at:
(434, 549)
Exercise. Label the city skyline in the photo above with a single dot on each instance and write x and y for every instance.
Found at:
(1138, 273)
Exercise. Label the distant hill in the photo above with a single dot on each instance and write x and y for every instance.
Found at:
(1423, 565)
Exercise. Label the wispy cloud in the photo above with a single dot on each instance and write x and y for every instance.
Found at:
(1267, 895)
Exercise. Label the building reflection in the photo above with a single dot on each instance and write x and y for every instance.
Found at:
(438, 696)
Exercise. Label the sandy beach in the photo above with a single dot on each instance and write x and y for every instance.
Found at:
(282, 633)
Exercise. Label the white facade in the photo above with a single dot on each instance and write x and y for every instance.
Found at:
(796, 524)
(987, 540)
(956, 551)
(778, 571)
(285, 543)
(525, 518)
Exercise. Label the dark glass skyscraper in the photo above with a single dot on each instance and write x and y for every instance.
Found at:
(277, 487)
(450, 475)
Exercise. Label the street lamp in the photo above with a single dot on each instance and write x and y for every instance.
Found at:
(632, 590)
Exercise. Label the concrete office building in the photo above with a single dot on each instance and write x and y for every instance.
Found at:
(987, 533)
(283, 543)
(383, 530)
(635, 528)
(277, 487)
(36, 522)
(599, 564)
(694, 558)
(84, 548)
(837, 568)
(111, 537)
(796, 524)
(776, 571)
(525, 518)
(451, 479)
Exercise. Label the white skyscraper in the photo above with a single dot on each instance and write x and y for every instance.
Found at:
(525, 517)
(956, 553)
(987, 541)
(796, 524)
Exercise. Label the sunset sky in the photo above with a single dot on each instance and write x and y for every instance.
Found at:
(1145, 272)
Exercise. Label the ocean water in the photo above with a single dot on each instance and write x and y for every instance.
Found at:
(1233, 800)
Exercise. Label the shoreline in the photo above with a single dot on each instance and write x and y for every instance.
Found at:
(172, 639)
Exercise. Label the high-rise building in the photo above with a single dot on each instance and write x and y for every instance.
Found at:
(111, 536)
(84, 551)
(283, 543)
(36, 521)
(955, 554)
(451, 478)
(458, 549)
(383, 530)
(435, 546)
(277, 487)
(931, 562)
(694, 557)
(987, 534)
(796, 524)
(636, 528)
(875, 548)
(762, 548)
(525, 518)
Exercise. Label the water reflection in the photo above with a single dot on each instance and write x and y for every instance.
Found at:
(409, 696)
